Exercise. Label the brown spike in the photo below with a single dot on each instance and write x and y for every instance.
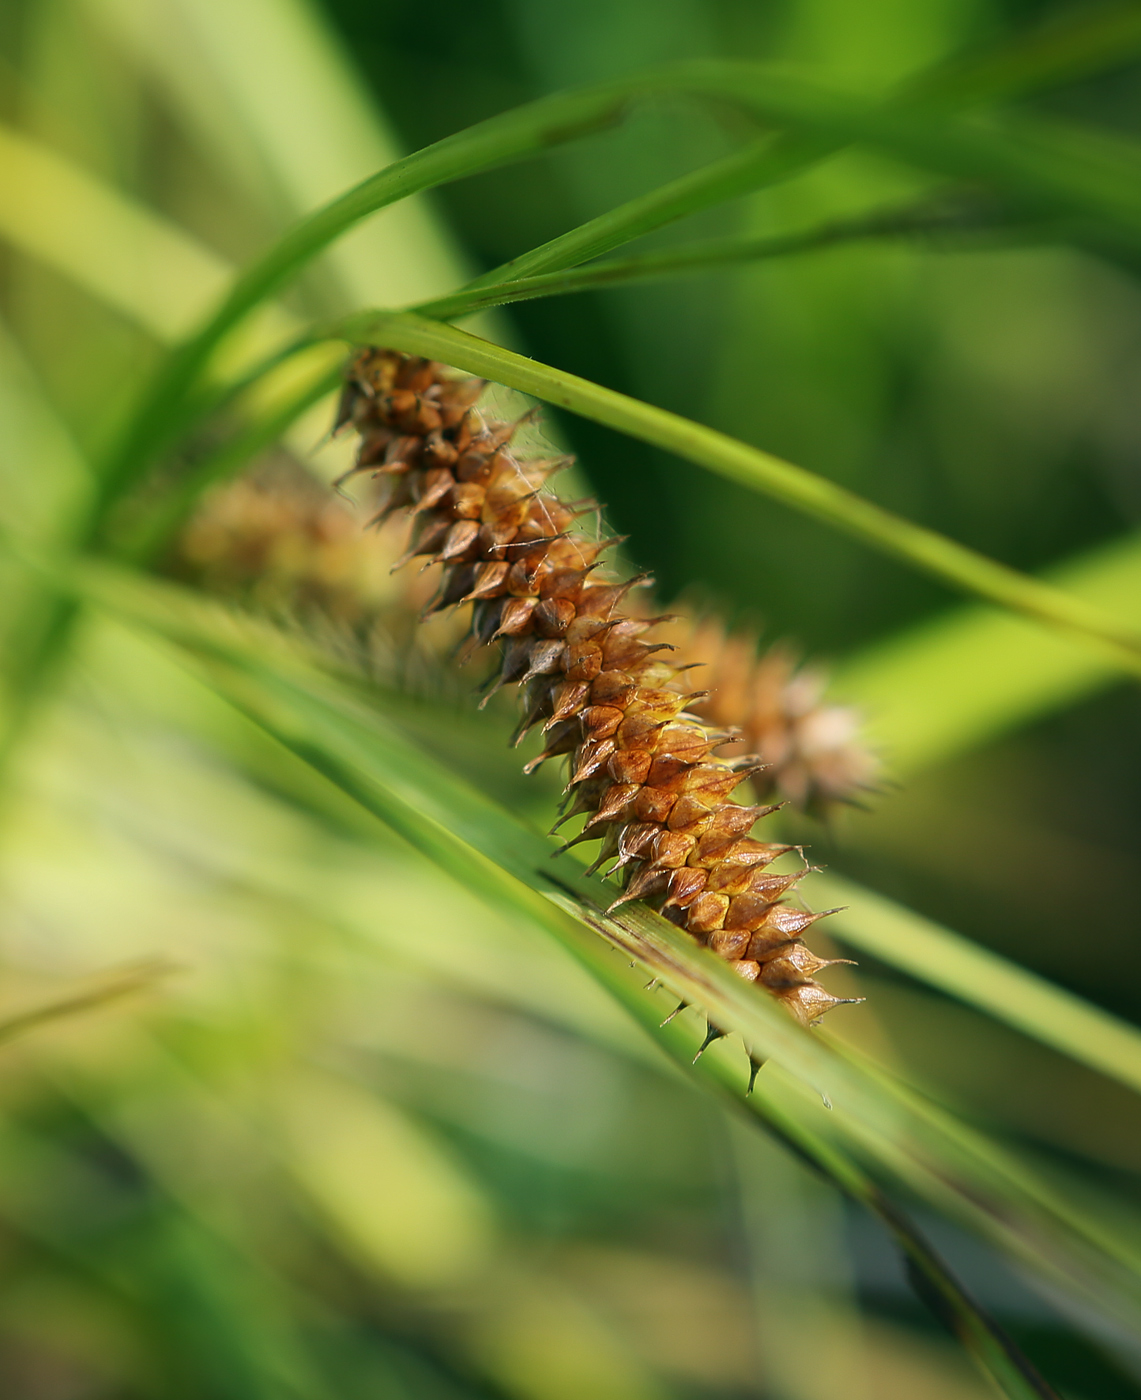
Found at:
(488, 581)
(516, 617)
(645, 769)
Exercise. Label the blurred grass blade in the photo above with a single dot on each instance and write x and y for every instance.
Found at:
(1001, 988)
(1051, 166)
(514, 135)
(990, 1347)
(491, 853)
(116, 249)
(111, 987)
(1079, 45)
(963, 679)
(156, 275)
(275, 103)
(37, 504)
(793, 486)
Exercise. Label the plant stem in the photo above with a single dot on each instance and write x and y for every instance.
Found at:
(925, 216)
(761, 164)
(813, 495)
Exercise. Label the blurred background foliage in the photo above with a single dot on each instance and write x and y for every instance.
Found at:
(365, 1136)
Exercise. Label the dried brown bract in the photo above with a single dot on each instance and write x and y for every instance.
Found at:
(607, 694)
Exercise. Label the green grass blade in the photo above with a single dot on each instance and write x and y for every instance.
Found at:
(909, 220)
(1052, 167)
(963, 679)
(756, 167)
(495, 855)
(1082, 45)
(273, 102)
(951, 563)
(992, 1350)
(1066, 179)
(1001, 988)
(511, 136)
(1030, 63)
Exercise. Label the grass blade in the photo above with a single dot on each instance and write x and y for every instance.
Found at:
(274, 103)
(1060, 177)
(756, 167)
(914, 686)
(496, 856)
(513, 135)
(997, 1356)
(951, 563)
(1081, 45)
(1001, 988)
(116, 249)
(909, 220)
(1029, 63)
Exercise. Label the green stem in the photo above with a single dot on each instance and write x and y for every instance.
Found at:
(122, 983)
(1028, 64)
(813, 495)
(907, 220)
(161, 520)
(757, 166)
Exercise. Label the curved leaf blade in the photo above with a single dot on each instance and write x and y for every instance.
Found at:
(794, 486)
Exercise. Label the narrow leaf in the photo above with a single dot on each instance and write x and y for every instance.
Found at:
(951, 563)
(910, 220)
(965, 678)
(496, 856)
(1001, 988)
